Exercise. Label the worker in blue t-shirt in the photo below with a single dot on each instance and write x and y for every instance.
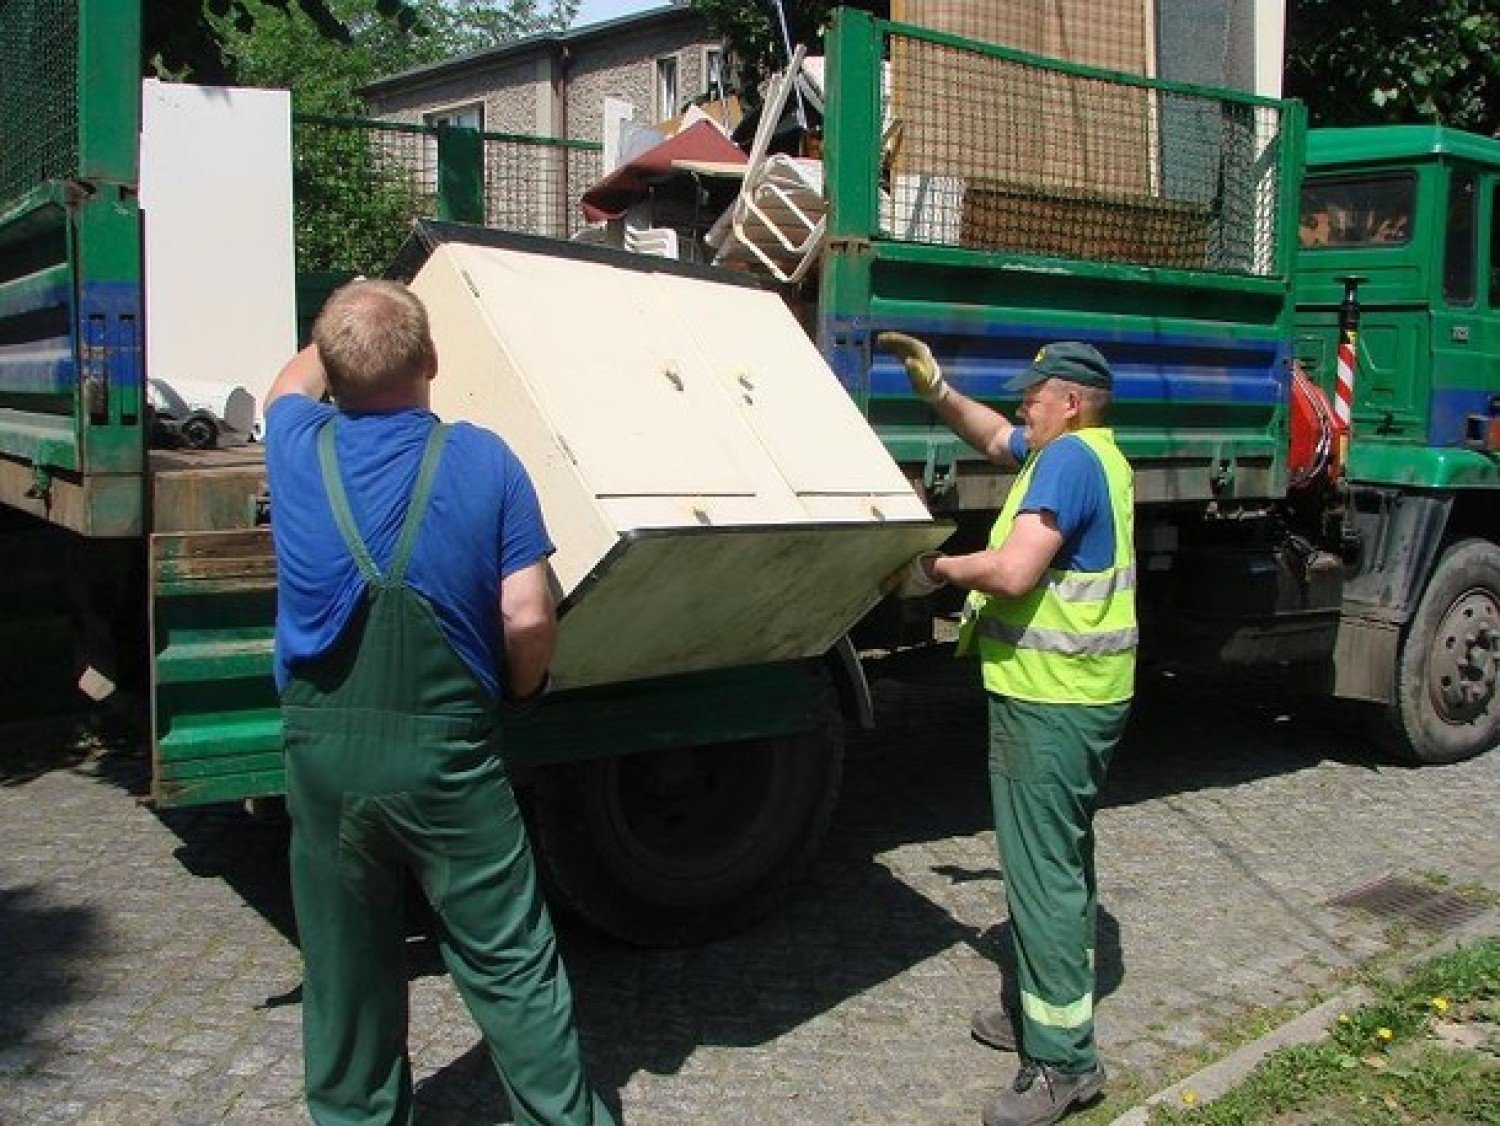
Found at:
(1051, 615)
(413, 595)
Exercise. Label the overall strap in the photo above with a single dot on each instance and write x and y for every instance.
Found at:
(342, 516)
(416, 508)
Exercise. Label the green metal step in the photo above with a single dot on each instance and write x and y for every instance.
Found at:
(215, 658)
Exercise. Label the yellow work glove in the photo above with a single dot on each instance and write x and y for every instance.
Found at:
(916, 579)
(921, 368)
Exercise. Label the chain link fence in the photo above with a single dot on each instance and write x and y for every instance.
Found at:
(38, 93)
(356, 188)
(534, 184)
(994, 149)
(358, 184)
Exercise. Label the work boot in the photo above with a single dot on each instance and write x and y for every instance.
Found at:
(1041, 1095)
(995, 1026)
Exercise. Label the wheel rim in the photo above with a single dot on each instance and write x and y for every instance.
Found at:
(1463, 663)
(692, 818)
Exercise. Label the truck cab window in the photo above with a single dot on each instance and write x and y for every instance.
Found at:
(1355, 212)
(1458, 250)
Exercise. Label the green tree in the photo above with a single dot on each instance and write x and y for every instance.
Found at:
(271, 43)
(357, 189)
(754, 33)
(204, 40)
(1393, 61)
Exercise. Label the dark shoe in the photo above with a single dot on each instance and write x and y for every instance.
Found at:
(995, 1027)
(1041, 1095)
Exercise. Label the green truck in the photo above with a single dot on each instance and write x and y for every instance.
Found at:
(1157, 219)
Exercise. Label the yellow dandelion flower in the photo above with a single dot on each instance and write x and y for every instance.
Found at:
(1384, 1035)
(1440, 1005)
(1189, 1097)
(1343, 1018)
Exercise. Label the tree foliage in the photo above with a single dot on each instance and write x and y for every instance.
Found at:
(1393, 61)
(753, 30)
(323, 42)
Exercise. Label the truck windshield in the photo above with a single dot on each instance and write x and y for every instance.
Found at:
(1363, 211)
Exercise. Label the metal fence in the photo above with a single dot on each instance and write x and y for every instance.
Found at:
(996, 149)
(358, 185)
(534, 184)
(38, 93)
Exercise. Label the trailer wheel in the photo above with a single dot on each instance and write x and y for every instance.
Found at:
(1446, 707)
(680, 847)
(199, 432)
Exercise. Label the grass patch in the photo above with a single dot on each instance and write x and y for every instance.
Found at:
(1426, 1050)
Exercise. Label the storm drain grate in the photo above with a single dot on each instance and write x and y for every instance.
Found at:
(1399, 900)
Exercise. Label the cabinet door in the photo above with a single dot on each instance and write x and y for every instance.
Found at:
(774, 377)
(612, 374)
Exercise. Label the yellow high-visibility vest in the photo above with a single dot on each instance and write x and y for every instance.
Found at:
(1072, 639)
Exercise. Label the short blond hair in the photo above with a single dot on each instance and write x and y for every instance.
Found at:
(373, 336)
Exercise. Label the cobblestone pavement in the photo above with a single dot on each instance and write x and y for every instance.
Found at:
(148, 974)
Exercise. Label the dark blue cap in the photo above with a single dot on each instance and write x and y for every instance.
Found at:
(1067, 359)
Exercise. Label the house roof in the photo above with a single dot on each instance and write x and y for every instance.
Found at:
(676, 11)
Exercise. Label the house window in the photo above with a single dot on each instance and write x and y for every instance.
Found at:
(666, 87)
(459, 117)
(713, 71)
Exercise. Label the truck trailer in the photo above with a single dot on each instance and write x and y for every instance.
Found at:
(1292, 508)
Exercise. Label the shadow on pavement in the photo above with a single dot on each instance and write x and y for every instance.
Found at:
(46, 952)
(850, 923)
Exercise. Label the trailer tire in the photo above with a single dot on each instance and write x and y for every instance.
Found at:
(1446, 707)
(681, 847)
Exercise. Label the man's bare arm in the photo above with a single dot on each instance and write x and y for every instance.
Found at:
(529, 621)
(302, 375)
(988, 431)
(1012, 569)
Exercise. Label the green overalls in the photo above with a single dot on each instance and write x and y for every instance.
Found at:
(392, 765)
(1059, 668)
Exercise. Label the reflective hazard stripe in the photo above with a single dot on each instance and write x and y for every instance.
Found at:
(1079, 1013)
(1091, 588)
(1056, 640)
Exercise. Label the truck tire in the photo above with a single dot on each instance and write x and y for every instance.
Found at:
(1445, 707)
(680, 847)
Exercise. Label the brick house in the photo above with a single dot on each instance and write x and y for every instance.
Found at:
(555, 85)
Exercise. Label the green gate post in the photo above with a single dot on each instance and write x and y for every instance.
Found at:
(460, 175)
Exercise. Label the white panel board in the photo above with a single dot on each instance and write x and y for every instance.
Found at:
(216, 189)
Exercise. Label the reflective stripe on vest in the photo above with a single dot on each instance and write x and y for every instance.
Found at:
(1056, 640)
(1072, 639)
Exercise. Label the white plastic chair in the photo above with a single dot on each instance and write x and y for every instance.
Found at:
(780, 216)
(660, 241)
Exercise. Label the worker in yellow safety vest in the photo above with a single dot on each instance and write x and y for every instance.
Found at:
(1051, 615)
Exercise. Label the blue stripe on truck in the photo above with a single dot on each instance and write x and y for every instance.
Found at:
(1148, 367)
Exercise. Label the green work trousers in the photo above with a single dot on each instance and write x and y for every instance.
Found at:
(392, 768)
(1047, 763)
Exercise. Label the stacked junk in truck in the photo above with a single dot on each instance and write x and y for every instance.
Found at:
(680, 349)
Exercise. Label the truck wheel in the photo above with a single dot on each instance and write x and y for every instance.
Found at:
(675, 848)
(1446, 708)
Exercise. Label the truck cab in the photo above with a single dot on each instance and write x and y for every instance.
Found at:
(1403, 219)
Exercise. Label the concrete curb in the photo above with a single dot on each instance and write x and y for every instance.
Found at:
(1217, 1079)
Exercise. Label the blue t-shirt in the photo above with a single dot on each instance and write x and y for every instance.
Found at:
(1069, 482)
(483, 523)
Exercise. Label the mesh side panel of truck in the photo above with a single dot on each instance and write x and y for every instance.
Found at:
(994, 149)
(38, 93)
